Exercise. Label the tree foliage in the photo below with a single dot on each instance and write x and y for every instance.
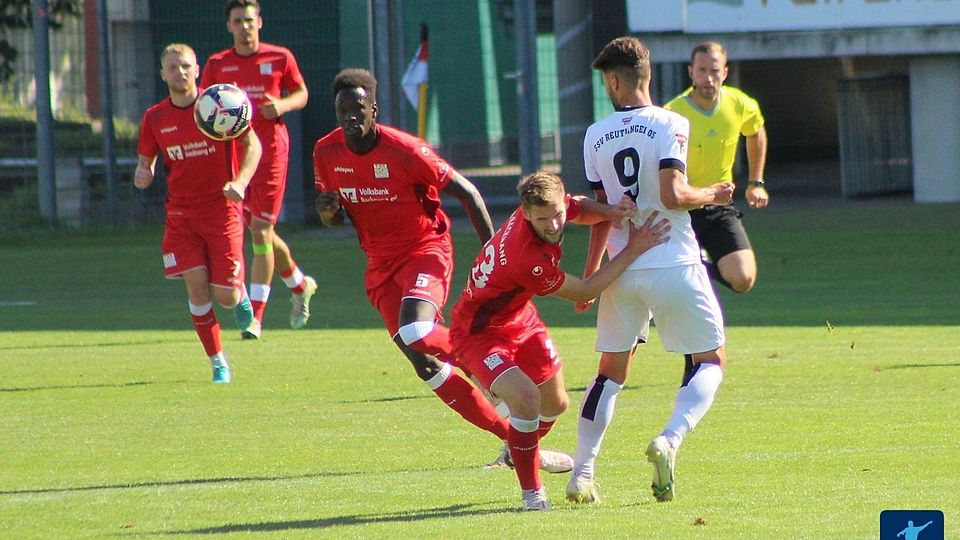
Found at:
(16, 14)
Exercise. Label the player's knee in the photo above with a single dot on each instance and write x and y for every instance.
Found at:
(262, 235)
(413, 332)
(558, 404)
(229, 298)
(742, 283)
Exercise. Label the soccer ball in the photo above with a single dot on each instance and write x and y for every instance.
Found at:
(223, 112)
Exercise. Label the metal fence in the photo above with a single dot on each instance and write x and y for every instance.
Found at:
(874, 122)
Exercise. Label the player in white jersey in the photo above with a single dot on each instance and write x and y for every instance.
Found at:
(641, 150)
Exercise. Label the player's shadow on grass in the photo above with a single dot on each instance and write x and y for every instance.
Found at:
(73, 387)
(456, 510)
(388, 399)
(97, 345)
(187, 482)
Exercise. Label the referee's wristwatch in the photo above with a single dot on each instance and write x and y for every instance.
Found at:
(757, 183)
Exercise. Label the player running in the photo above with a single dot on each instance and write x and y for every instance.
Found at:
(718, 115)
(265, 72)
(203, 233)
(496, 329)
(389, 183)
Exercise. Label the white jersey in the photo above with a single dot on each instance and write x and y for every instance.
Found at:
(624, 153)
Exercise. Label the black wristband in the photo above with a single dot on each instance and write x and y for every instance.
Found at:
(757, 183)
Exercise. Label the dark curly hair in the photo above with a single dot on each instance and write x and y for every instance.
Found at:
(355, 78)
(626, 55)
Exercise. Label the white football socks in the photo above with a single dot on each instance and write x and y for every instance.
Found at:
(259, 292)
(693, 401)
(218, 360)
(596, 413)
(294, 279)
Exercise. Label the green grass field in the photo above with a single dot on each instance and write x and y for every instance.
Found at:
(839, 401)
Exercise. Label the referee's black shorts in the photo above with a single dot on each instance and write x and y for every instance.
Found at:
(719, 230)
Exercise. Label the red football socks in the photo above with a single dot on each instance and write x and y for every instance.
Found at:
(524, 449)
(545, 427)
(466, 399)
(208, 329)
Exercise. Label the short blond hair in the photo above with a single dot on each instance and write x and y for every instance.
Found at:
(176, 48)
(539, 188)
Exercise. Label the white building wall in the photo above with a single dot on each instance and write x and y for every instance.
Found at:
(935, 128)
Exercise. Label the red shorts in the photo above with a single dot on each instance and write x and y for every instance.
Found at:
(263, 199)
(487, 355)
(423, 274)
(214, 243)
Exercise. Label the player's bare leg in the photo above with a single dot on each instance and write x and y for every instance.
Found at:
(738, 269)
(554, 400)
(422, 340)
(261, 271)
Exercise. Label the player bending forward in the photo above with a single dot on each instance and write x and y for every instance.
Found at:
(496, 330)
(389, 182)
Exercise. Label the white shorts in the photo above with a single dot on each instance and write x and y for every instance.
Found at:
(681, 301)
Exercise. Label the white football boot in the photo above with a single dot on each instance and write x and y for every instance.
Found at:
(664, 460)
(582, 490)
(536, 500)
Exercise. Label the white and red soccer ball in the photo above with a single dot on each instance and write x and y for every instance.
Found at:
(223, 112)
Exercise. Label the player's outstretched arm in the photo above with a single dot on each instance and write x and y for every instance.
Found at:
(649, 234)
(464, 191)
(677, 194)
(593, 212)
(143, 176)
(597, 246)
(235, 188)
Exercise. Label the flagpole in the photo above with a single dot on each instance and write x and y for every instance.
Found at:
(422, 112)
(415, 82)
(422, 102)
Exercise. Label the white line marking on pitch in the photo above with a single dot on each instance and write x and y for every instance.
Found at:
(14, 303)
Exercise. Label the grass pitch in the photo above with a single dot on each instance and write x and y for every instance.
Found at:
(839, 400)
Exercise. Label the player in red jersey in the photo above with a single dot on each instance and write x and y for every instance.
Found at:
(496, 330)
(203, 234)
(389, 183)
(265, 72)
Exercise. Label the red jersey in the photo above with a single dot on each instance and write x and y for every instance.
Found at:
(513, 267)
(270, 70)
(391, 193)
(196, 166)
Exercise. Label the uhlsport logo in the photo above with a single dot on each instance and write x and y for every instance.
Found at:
(911, 525)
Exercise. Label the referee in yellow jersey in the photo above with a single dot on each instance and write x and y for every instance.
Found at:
(718, 115)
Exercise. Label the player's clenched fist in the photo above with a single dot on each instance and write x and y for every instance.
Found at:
(722, 193)
(234, 191)
(143, 176)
